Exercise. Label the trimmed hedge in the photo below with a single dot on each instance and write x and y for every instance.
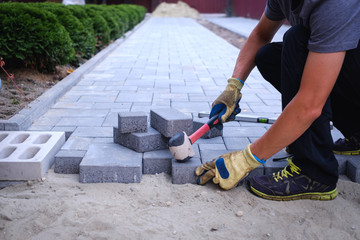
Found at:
(43, 35)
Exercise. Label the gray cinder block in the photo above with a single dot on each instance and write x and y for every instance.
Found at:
(68, 161)
(170, 121)
(353, 169)
(110, 162)
(157, 162)
(342, 161)
(213, 132)
(141, 142)
(129, 122)
(184, 172)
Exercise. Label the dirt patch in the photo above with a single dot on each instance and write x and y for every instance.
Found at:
(33, 83)
(233, 38)
(179, 9)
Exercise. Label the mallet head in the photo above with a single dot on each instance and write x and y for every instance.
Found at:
(180, 147)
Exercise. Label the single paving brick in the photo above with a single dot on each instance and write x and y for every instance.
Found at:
(342, 161)
(110, 162)
(141, 142)
(353, 169)
(157, 162)
(68, 161)
(129, 122)
(184, 172)
(213, 132)
(170, 121)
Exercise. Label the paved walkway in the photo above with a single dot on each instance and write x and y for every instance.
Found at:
(167, 62)
(171, 62)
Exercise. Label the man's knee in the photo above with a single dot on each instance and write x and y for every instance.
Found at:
(268, 53)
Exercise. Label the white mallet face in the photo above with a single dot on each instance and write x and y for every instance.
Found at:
(180, 147)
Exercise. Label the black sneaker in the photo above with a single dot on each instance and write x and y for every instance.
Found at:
(290, 184)
(344, 146)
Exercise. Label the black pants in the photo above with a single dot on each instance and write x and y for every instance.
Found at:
(282, 65)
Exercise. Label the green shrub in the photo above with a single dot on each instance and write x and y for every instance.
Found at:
(33, 38)
(101, 28)
(79, 12)
(135, 13)
(82, 41)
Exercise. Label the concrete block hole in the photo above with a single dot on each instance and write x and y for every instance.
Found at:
(20, 138)
(29, 153)
(6, 152)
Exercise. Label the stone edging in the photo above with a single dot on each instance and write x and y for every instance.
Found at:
(24, 119)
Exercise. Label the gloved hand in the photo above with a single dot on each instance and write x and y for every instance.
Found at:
(228, 169)
(227, 104)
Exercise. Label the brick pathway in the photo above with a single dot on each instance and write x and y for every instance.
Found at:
(166, 63)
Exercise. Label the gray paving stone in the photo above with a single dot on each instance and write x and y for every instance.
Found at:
(215, 140)
(184, 172)
(213, 132)
(141, 142)
(68, 161)
(204, 147)
(342, 161)
(170, 121)
(209, 155)
(68, 131)
(110, 162)
(93, 132)
(353, 169)
(243, 131)
(157, 162)
(130, 122)
(77, 143)
(236, 144)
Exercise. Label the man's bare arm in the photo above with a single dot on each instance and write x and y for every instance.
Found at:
(261, 35)
(319, 76)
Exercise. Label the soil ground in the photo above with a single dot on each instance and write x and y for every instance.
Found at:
(33, 83)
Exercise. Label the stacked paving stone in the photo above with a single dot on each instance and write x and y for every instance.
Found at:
(141, 147)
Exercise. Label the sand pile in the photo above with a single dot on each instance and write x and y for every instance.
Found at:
(179, 9)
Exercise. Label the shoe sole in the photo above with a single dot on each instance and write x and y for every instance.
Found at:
(312, 195)
(355, 152)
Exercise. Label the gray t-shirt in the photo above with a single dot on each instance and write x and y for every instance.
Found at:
(334, 24)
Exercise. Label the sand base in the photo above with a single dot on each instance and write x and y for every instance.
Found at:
(62, 208)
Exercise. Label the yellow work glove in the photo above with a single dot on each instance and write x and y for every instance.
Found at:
(228, 169)
(227, 104)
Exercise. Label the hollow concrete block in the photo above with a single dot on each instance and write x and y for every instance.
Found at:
(27, 155)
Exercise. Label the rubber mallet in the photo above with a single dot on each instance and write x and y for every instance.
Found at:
(180, 144)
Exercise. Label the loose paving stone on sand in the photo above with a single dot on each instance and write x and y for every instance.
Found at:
(130, 122)
(68, 162)
(353, 169)
(110, 162)
(157, 162)
(184, 172)
(170, 121)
